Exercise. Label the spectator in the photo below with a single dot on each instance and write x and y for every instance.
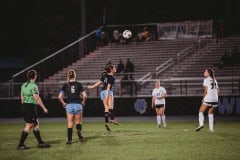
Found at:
(98, 38)
(120, 66)
(124, 83)
(116, 36)
(132, 86)
(146, 34)
(109, 62)
(129, 66)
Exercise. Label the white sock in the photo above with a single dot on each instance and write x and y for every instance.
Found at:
(210, 117)
(158, 120)
(163, 119)
(201, 118)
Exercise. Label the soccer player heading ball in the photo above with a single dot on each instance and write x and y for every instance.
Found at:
(29, 100)
(210, 99)
(107, 94)
(74, 105)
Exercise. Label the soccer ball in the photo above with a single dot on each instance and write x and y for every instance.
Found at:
(127, 34)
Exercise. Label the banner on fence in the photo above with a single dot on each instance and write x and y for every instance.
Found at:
(186, 29)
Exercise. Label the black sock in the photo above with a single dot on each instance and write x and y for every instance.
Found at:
(79, 130)
(69, 133)
(36, 133)
(111, 114)
(106, 117)
(23, 138)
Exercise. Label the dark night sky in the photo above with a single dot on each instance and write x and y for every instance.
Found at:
(33, 29)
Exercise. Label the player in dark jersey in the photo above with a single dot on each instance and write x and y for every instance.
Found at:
(108, 81)
(29, 100)
(73, 90)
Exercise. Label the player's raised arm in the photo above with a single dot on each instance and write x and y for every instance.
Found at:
(98, 83)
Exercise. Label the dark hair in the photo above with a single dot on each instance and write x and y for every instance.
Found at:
(108, 68)
(71, 74)
(31, 75)
(211, 72)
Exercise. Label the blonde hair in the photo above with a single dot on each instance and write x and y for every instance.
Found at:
(71, 75)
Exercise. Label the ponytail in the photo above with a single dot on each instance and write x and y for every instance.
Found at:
(31, 74)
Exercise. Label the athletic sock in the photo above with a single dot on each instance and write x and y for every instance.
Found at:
(37, 135)
(23, 138)
(163, 119)
(79, 130)
(106, 117)
(111, 114)
(69, 133)
(201, 118)
(211, 119)
(158, 120)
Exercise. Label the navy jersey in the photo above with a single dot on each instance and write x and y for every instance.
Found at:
(107, 79)
(73, 91)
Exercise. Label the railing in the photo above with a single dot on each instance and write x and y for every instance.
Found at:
(229, 86)
(61, 58)
(164, 66)
(58, 60)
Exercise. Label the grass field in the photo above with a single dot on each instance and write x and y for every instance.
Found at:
(128, 141)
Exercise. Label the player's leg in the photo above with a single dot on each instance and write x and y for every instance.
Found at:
(24, 135)
(211, 118)
(78, 121)
(104, 99)
(201, 117)
(36, 132)
(158, 117)
(106, 115)
(70, 127)
(110, 111)
(162, 115)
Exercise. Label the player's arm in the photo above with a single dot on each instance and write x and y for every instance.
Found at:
(108, 89)
(22, 98)
(40, 103)
(98, 83)
(84, 98)
(60, 98)
(205, 88)
(153, 101)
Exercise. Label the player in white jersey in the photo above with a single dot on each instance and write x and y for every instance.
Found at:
(158, 102)
(210, 99)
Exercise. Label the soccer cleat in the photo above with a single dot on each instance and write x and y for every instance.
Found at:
(158, 126)
(165, 126)
(114, 122)
(81, 139)
(107, 127)
(211, 130)
(69, 142)
(22, 147)
(199, 128)
(43, 145)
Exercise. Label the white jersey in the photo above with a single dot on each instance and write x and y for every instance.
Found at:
(159, 92)
(212, 90)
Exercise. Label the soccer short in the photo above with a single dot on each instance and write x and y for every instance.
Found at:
(30, 113)
(74, 108)
(160, 105)
(104, 94)
(211, 104)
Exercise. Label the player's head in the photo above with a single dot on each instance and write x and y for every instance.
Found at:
(31, 75)
(110, 69)
(157, 83)
(209, 73)
(71, 75)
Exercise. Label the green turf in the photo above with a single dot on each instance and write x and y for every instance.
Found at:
(128, 141)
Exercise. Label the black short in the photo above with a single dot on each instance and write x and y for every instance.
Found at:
(159, 105)
(30, 113)
(211, 104)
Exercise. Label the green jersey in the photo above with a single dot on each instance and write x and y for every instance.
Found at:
(28, 90)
